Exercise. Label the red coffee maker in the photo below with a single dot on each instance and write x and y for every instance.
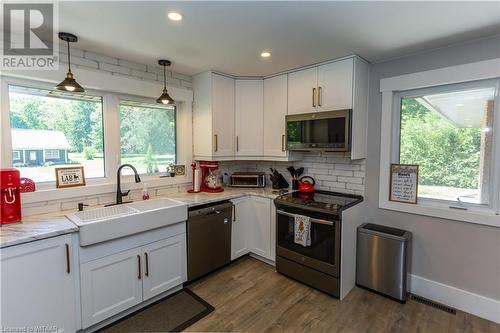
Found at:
(10, 201)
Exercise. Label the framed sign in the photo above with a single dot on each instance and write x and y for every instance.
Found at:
(70, 177)
(180, 170)
(403, 185)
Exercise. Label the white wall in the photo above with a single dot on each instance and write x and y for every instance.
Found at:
(462, 255)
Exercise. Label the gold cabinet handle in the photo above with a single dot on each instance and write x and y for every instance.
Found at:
(283, 142)
(314, 97)
(147, 263)
(216, 143)
(139, 272)
(237, 143)
(320, 97)
(68, 266)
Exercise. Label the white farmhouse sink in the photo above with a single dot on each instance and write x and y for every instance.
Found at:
(106, 223)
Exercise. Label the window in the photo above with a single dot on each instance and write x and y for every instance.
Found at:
(52, 154)
(16, 155)
(147, 136)
(448, 132)
(53, 129)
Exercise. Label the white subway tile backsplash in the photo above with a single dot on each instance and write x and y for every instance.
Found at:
(332, 171)
(114, 68)
(144, 75)
(133, 65)
(99, 57)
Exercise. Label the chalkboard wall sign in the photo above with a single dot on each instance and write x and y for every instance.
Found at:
(70, 177)
(404, 183)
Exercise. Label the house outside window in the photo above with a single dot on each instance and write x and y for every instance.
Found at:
(52, 129)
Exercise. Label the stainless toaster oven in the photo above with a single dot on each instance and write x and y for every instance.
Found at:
(248, 179)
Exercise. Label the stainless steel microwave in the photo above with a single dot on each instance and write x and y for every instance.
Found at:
(327, 131)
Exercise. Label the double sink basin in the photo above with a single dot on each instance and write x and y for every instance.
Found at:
(106, 223)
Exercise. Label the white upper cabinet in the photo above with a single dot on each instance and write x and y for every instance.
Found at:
(223, 119)
(275, 109)
(249, 117)
(337, 85)
(302, 90)
(335, 82)
(213, 117)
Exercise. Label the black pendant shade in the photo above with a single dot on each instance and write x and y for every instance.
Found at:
(69, 83)
(165, 97)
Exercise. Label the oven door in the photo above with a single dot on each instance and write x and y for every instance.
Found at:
(324, 252)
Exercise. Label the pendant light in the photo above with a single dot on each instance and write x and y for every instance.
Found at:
(69, 83)
(165, 97)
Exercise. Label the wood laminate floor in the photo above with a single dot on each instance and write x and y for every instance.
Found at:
(249, 296)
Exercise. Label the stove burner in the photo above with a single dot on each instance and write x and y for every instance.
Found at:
(331, 202)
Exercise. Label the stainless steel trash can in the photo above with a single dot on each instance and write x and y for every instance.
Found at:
(382, 259)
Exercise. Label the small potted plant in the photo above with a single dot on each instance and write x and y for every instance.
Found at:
(171, 170)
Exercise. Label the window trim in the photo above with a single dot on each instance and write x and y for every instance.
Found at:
(391, 89)
(109, 87)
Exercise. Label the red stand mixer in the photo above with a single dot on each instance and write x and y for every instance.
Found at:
(211, 181)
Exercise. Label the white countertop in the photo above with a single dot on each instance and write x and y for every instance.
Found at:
(53, 224)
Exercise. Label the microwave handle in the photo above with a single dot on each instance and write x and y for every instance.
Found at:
(312, 219)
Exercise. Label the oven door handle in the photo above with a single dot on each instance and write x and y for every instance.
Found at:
(312, 219)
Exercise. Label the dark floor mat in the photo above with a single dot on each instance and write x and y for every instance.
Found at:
(172, 314)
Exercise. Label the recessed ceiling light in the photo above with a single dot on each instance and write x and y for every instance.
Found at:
(265, 54)
(174, 16)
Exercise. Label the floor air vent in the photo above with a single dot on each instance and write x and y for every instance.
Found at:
(436, 305)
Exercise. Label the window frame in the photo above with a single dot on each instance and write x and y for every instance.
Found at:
(47, 86)
(392, 90)
(58, 155)
(109, 87)
(129, 98)
(18, 155)
(396, 142)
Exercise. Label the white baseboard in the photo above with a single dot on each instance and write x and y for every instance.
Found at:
(466, 301)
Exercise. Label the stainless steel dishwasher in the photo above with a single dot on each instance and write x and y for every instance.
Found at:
(208, 238)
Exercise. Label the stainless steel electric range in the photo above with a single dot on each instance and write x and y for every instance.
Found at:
(317, 265)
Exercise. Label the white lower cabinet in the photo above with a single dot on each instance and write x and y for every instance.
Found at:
(242, 209)
(38, 285)
(116, 282)
(252, 230)
(164, 265)
(259, 227)
(110, 285)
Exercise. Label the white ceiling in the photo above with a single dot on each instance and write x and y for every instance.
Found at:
(229, 36)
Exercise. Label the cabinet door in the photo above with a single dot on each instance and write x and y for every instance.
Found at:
(223, 115)
(273, 232)
(249, 117)
(38, 286)
(242, 210)
(259, 227)
(110, 285)
(164, 265)
(302, 86)
(275, 109)
(335, 85)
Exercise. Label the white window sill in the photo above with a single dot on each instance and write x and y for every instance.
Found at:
(46, 193)
(483, 217)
